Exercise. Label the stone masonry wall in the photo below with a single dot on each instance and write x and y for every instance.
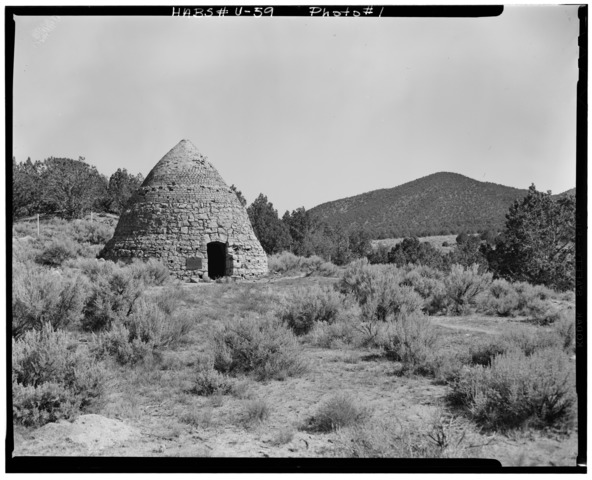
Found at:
(182, 206)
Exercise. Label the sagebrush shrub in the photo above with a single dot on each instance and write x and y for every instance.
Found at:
(25, 250)
(343, 331)
(122, 346)
(483, 352)
(283, 262)
(308, 306)
(96, 269)
(115, 291)
(262, 347)
(40, 296)
(358, 277)
(413, 342)
(519, 390)
(95, 233)
(337, 412)
(256, 411)
(534, 302)
(530, 340)
(282, 437)
(36, 406)
(388, 438)
(447, 363)
(209, 381)
(22, 229)
(135, 337)
(51, 378)
(375, 334)
(389, 300)
(153, 325)
(565, 328)
(379, 291)
(57, 251)
(287, 262)
(543, 313)
(503, 299)
(526, 340)
(429, 284)
(463, 285)
(150, 272)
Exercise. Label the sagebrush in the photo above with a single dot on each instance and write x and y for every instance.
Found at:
(260, 346)
(52, 378)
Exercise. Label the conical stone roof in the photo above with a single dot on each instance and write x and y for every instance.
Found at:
(186, 216)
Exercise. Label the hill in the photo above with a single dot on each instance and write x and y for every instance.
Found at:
(571, 191)
(439, 204)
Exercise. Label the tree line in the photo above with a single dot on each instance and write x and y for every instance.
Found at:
(536, 245)
(303, 234)
(68, 188)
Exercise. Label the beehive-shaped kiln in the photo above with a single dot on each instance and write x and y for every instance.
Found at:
(186, 216)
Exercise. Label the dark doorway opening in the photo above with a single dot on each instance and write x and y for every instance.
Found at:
(216, 260)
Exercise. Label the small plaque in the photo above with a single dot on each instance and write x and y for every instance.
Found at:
(193, 263)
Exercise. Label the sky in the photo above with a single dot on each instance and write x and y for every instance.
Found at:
(306, 110)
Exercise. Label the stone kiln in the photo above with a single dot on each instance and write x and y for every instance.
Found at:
(186, 216)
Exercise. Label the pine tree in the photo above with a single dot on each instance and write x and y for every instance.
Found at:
(271, 232)
(26, 188)
(122, 186)
(538, 242)
(71, 187)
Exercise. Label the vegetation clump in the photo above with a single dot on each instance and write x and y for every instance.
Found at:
(42, 297)
(463, 285)
(518, 390)
(209, 381)
(413, 341)
(148, 328)
(337, 412)
(52, 378)
(310, 306)
(379, 290)
(262, 347)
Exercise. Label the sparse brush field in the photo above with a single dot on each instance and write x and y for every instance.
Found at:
(443, 243)
(313, 361)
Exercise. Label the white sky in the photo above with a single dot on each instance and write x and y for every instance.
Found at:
(306, 110)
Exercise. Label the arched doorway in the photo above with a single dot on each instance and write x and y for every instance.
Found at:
(216, 260)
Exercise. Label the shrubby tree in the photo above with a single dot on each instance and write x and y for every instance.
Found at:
(272, 233)
(72, 187)
(122, 186)
(302, 227)
(461, 238)
(340, 251)
(489, 237)
(26, 188)
(311, 236)
(538, 242)
(467, 252)
(379, 254)
(411, 250)
(359, 242)
(58, 186)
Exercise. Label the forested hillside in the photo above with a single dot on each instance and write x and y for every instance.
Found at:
(439, 204)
